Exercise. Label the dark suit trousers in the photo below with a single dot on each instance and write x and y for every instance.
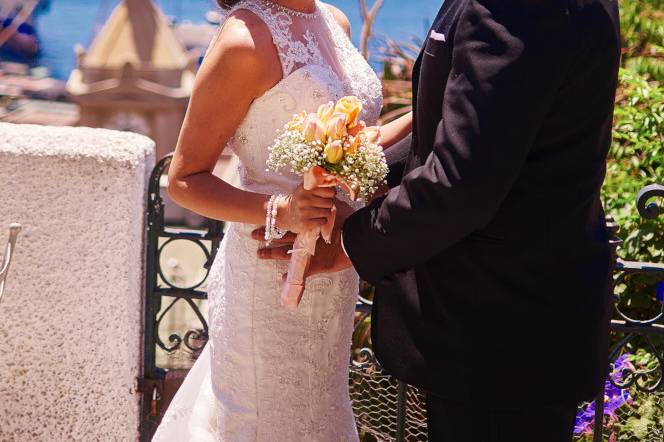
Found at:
(451, 421)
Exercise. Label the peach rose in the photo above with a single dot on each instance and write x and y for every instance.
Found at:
(367, 135)
(353, 145)
(351, 107)
(359, 127)
(371, 134)
(314, 129)
(336, 126)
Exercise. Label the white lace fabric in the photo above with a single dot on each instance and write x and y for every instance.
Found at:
(276, 375)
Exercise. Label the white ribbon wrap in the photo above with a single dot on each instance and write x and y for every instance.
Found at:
(305, 243)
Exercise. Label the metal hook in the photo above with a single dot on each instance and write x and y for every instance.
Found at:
(14, 229)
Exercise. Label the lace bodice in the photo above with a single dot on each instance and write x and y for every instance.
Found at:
(319, 64)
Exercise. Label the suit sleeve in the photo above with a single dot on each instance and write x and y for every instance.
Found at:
(507, 63)
(396, 157)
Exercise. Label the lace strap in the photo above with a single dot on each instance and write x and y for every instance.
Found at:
(279, 25)
(332, 24)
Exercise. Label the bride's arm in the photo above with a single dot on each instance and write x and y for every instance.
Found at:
(241, 66)
(395, 131)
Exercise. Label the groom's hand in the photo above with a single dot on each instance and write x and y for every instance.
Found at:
(279, 249)
(329, 258)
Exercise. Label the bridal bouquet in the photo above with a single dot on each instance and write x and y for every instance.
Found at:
(331, 147)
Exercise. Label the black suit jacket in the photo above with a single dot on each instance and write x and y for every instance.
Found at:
(490, 256)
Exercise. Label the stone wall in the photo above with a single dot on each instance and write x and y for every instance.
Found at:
(70, 320)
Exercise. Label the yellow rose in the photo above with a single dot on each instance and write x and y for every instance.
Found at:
(297, 122)
(313, 129)
(336, 126)
(351, 107)
(334, 152)
(325, 112)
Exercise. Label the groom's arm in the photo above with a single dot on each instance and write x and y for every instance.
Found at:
(396, 157)
(507, 66)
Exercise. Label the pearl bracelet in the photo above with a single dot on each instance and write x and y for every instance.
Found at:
(277, 233)
(271, 230)
(268, 215)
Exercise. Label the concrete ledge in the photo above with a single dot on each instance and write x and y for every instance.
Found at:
(122, 148)
(71, 318)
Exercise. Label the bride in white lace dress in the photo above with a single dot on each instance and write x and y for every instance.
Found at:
(267, 374)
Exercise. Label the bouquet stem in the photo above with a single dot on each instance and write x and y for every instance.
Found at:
(305, 244)
(303, 249)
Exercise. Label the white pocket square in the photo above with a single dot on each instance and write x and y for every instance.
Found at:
(437, 36)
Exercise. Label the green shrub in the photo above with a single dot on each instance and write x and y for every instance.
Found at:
(642, 23)
(636, 159)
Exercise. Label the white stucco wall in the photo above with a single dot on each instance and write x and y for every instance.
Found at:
(70, 320)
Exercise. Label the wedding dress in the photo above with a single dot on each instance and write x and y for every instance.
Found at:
(269, 374)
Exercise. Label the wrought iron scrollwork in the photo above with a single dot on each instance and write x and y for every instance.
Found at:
(365, 359)
(208, 258)
(625, 269)
(646, 380)
(647, 208)
(190, 336)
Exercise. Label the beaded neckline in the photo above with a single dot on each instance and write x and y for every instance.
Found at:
(293, 12)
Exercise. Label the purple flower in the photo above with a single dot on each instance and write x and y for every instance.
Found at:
(584, 420)
(614, 398)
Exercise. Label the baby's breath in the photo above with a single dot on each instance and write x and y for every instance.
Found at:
(364, 170)
(290, 150)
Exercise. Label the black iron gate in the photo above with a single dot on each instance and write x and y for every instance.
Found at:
(165, 292)
(385, 408)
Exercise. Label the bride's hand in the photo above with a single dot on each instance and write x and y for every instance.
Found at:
(305, 209)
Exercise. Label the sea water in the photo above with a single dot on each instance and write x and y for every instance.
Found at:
(66, 23)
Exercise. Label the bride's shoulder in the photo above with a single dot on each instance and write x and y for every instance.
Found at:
(340, 17)
(243, 49)
(244, 30)
(246, 38)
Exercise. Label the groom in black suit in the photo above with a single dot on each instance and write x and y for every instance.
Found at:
(490, 252)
